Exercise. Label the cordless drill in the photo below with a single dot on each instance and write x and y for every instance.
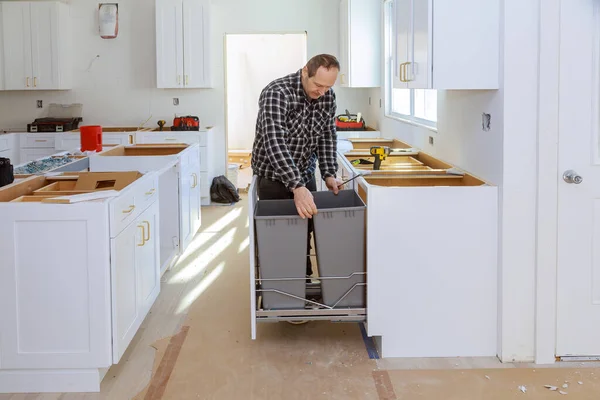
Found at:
(380, 153)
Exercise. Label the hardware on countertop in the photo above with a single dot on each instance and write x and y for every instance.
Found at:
(61, 118)
(187, 123)
(380, 153)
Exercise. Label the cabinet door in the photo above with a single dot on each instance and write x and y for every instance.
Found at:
(420, 66)
(185, 184)
(44, 45)
(402, 45)
(344, 43)
(196, 39)
(16, 31)
(169, 44)
(148, 260)
(195, 198)
(55, 306)
(125, 297)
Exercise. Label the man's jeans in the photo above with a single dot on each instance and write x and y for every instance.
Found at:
(275, 190)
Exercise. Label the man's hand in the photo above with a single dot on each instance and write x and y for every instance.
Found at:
(333, 184)
(304, 201)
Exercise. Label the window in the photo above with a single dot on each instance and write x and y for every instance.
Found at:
(416, 105)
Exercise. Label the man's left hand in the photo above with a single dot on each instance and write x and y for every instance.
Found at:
(333, 184)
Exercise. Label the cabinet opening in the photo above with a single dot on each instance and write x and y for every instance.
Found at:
(433, 180)
(145, 150)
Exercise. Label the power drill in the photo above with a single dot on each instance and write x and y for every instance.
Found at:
(380, 153)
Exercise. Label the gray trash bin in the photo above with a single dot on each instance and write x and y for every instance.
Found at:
(340, 244)
(281, 236)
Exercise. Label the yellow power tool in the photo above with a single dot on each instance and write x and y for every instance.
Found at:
(380, 153)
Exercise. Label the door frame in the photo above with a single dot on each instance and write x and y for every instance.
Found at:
(546, 295)
(225, 65)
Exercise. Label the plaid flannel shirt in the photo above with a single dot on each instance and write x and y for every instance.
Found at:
(293, 132)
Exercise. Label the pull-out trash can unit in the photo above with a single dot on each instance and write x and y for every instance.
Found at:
(278, 252)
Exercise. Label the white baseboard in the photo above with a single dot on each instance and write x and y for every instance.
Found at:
(50, 381)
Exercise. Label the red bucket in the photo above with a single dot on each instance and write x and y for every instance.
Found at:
(91, 138)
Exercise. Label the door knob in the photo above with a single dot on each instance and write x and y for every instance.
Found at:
(571, 176)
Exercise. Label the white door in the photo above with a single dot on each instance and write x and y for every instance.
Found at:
(169, 44)
(125, 297)
(44, 38)
(196, 44)
(185, 184)
(148, 260)
(16, 30)
(578, 279)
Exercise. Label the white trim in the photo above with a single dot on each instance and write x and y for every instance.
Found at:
(406, 120)
(547, 194)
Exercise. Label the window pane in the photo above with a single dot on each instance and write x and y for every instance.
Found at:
(401, 101)
(426, 104)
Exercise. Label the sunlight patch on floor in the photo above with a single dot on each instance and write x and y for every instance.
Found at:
(225, 220)
(244, 245)
(200, 263)
(204, 284)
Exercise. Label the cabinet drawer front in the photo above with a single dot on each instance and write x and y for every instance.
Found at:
(132, 203)
(38, 140)
(173, 137)
(67, 143)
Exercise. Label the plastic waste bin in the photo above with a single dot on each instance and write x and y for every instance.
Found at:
(339, 229)
(281, 236)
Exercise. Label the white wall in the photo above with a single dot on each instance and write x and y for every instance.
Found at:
(249, 69)
(118, 88)
(504, 156)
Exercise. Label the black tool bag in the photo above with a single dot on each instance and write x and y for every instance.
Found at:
(223, 191)
(6, 172)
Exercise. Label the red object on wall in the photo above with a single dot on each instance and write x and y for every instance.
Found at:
(91, 138)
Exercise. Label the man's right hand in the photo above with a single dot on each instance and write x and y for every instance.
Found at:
(304, 201)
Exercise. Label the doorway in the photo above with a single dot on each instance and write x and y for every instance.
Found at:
(252, 61)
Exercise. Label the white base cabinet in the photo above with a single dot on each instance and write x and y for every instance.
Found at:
(178, 172)
(205, 140)
(69, 141)
(437, 295)
(76, 280)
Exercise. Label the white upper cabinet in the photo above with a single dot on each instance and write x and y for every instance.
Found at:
(360, 43)
(446, 44)
(35, 45)
(183, 44)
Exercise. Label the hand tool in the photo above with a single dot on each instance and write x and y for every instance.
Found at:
(380, 153)
(349, 180)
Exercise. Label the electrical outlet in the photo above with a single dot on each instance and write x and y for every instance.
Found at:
(39, 104)
(175, 101)
(431, 140)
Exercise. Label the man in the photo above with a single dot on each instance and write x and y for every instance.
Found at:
(294, 128)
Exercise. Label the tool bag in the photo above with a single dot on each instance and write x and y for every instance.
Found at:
(223, 191)
(6, 172)
(349, 122)
(187, 123)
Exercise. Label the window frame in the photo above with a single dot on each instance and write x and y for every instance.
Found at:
(389, 78)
